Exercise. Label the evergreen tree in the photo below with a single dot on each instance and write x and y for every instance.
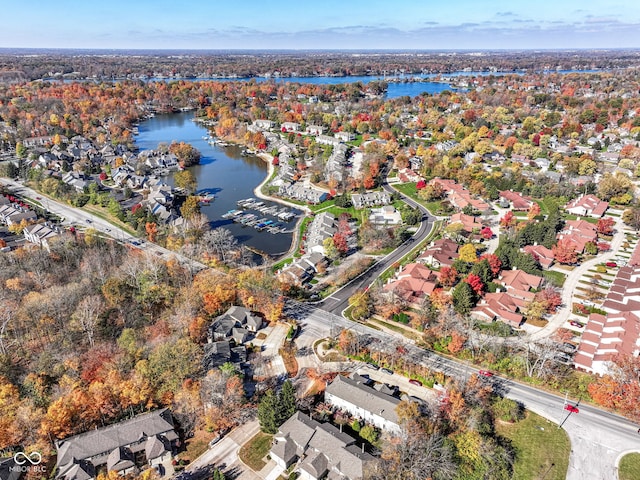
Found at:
(464, 298)
(286, 402)
(268, 412)
(218, 475)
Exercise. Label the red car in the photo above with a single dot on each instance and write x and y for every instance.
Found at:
(485, 373)
(575, 323)
(571, 408)
(611, 264)
(415, 382)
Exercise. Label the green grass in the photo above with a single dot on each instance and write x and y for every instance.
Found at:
(556, 278)
(629, 468)
(540, 448)
(253, 452)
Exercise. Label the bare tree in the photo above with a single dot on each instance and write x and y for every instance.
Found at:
(220, 242)
(87, 314)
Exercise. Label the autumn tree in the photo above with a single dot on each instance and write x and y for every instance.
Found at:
(151, 229)
(447, 276)
(467, 253)
(533, 212)
(605, 226)
(187, 154)
(186, 180)
(564, 252)
(361, 304)
(509, 220)
(190, 207)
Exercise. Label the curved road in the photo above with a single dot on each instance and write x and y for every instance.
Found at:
(338, 301)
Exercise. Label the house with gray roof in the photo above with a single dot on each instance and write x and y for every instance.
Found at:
(362, 401)
(117, 446)
(320, 450)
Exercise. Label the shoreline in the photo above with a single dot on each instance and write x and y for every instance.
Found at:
(258, 193)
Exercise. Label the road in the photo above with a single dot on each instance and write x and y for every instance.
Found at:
(83, 219)
(597, 437)
(338, 301)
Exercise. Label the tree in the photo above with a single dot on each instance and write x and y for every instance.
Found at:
(475, 282)
(605, 226)
(611, 186)
(330, 249)
(151, 228)
(533, 212)
(268, 413)
(447, 276)
(631, 217)
(486, 233)
(190, 208)
(550, 297)
(467, 253)
(509, 220)
(187, 154)
(464, 298)
(494, 262)
(340, 243)
(564, 252)
(286, 402)
(186, 180)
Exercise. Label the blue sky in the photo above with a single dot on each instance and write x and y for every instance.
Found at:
(330, 24)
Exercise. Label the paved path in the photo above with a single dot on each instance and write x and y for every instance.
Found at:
(573, 279)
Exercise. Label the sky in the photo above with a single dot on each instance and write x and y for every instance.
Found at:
(329, 24)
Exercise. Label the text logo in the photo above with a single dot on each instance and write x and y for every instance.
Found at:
(34, 458)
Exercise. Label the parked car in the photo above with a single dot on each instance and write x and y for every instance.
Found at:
(415, 382)
(387, 371)
(485, 373)
(611, 264)
(571, 408)
(575, 323)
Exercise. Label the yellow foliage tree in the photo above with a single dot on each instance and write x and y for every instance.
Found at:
(467, 253)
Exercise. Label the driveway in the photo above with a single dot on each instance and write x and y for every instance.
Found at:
(272, 365)
(572, 280)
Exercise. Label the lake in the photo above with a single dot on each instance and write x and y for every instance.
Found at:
(224, 172)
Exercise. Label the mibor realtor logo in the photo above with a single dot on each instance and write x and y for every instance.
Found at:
(27, 463)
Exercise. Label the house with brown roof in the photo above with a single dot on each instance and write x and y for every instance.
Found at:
(617, 332)
(519, 284)
(459, 196)
(587, 205)
(516, 200)
(578, 233)
(499, 306)
(605, 337)
(441, 253)
(470, 224)
(413, 283)
(542, 254)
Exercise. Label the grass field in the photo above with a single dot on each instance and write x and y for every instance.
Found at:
(542, 450)
(629, 468)
(253, 452)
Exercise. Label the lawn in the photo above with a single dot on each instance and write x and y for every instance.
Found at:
(542, 450)
(556, 278)
(629, 468)
(253, 452)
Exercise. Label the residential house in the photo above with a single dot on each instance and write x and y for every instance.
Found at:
(321, 450)
(386, 215)
(578, 233)
(519, 284)
(345, 136)
(236, 322)
(364, 402)
(413, 283)
(327, 140)
(218, 353)
(587, 205)
(516, 200)
(40, 234)
(499, 306)
(470, 224)
(263, 124)
(605, 337)
(370, 199)
(290, 127)
(441, 253)
(314, 130)
(303, 269)
(117, 447)
(542, 254)
(302, 193)
(322, 227)
(76, 180)
(459, 196)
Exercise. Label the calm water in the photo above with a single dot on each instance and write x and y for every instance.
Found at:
(222, 171)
